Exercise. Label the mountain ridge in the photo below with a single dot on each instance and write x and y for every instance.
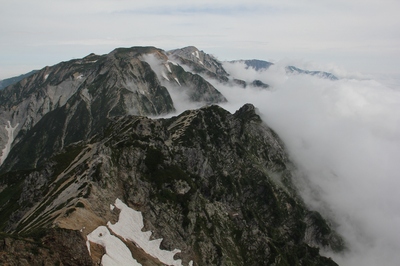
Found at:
(12, 80)
(215, 185)
(122, 81)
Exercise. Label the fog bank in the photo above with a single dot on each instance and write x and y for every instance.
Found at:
(344, 137)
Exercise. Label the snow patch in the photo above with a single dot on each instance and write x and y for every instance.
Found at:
(130, 225)
(177, 81)
(10, 132)
(46, 76)
(77, 76)
(172, 62)
(117, 253)
(88, 246)
(169, 69)
(112, 207)
(196, 53)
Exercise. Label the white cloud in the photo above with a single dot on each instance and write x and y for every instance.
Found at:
(344, 136)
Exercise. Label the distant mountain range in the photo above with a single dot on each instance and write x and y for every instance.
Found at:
(9, 81)
(255, 64)
(258, 65)
(88, 175)
(321, 74)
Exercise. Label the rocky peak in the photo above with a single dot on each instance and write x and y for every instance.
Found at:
(248, 112)
(189, 52)
(200, 62)
(137, 52)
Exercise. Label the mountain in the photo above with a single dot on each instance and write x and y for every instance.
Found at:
(7, 82)
(91, 175)
(321, 74)
(200, 62)
(261, 65)
(72, 100)
(255, 64)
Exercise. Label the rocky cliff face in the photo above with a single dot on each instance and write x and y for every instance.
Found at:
(83, 93)
(200, 62)
(215, 185)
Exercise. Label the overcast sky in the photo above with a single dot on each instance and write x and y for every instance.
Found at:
(351, 34)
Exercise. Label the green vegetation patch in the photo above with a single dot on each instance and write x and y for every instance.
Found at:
(65, 158)
(9, 202)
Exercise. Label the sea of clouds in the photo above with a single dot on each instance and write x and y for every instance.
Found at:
(344, 137)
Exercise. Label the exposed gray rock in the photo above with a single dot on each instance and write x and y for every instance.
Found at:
(200, 62)
(202, 180)
(83, 93)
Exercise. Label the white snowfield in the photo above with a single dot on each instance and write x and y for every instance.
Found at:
(196, 53)
(10, 133)
(117, 253)
(129, 227)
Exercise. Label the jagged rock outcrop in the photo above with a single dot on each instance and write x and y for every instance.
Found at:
(197, 88)
(200, 62)
(259, 84)
(213, 184)
(256, 84)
